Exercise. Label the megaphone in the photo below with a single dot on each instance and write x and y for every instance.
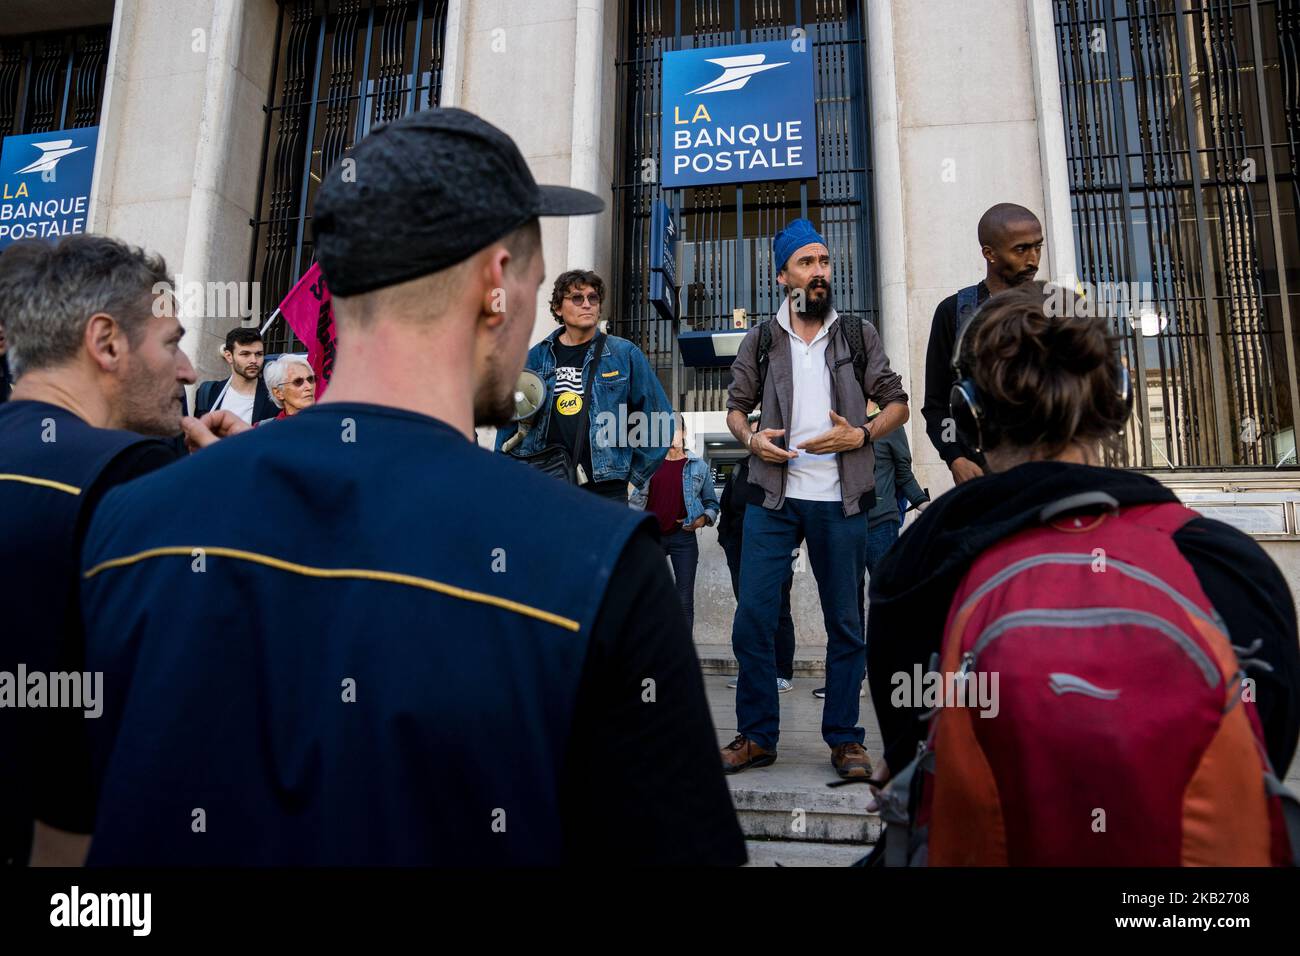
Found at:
(530, 393)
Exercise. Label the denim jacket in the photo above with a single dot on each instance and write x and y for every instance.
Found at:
(697, 491)
(622, 446)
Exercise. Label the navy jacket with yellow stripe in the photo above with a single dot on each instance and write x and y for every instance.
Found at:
(49, 461)
(374, 666)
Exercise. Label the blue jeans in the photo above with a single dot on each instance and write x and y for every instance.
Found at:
(837, 552)
(683, 550)
(784, 625)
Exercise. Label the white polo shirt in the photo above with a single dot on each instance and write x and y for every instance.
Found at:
(810, 477)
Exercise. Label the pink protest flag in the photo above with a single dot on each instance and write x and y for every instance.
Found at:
(307, 310)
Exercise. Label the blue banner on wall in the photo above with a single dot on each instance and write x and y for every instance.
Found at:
(663, 261)
(738, 114)
(663, 241)
(45, 183)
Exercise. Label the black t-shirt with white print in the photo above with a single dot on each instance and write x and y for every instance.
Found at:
(567, 400)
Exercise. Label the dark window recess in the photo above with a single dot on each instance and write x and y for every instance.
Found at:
(725, 255)
(1182, 121)
(52, 81)
(341, 68)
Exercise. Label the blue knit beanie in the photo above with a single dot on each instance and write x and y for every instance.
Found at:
(793, 238)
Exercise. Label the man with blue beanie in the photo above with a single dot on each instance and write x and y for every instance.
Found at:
(810, 371)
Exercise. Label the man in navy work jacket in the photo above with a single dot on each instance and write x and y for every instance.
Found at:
(101, 368)
(439, 656)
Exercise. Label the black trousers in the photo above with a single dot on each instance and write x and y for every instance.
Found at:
(683, 550)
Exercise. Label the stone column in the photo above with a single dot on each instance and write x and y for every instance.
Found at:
(181, 143)
(543, 71)
(972, 119)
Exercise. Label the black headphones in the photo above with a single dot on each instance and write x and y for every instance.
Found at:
(967, 405)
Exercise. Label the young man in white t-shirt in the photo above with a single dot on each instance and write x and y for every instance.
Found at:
(244, 393)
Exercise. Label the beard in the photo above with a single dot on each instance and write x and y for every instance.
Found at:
(494, 404)
(816, 308)
(1020, 278)
(146, 412)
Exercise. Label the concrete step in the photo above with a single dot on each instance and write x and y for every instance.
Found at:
(788, 853)
(719, 659)
(792, 802)
(789, 800)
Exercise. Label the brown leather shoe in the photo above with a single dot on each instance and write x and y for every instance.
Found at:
(851, 761)
(742, 753)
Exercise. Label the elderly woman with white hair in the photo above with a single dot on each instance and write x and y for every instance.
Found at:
(292, 384)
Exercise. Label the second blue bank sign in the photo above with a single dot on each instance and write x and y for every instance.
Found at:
(737, 114)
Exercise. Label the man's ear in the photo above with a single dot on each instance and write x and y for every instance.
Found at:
(105, 341)
(492, 300)
(781, 279)
(988, 253)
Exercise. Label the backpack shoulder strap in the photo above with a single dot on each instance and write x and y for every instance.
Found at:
(206, 394)
(968, 300)
(851, 328)
(764, 350)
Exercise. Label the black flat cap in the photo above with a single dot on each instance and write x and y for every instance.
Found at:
(427, 191)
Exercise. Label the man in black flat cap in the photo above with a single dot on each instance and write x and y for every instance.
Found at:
(441, 656)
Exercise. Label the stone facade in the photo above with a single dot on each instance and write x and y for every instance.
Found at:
(964, 112)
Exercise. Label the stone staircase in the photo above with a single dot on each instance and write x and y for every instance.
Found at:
(786, 810)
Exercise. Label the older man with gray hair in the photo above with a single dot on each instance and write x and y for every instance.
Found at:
(96, 353)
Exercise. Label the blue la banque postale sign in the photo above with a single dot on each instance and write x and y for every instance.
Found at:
(45, 181)
(738, 114)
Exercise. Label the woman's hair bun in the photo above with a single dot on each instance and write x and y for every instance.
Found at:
(1046, 370)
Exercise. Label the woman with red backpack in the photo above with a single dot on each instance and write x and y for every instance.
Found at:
(1069, 667)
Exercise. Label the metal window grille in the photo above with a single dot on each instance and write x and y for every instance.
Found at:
(341, 68)
(725, 259)
(1182, 122)
(52, 81)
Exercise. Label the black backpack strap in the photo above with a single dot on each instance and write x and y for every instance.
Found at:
(851, 327)
(968, 302)
(205, 396)
(584, 438)
(764, 350)
(902, 842)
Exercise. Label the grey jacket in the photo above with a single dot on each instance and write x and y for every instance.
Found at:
(849, 398)
(893, 478)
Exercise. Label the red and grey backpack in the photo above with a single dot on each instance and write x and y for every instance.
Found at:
(1094, 712)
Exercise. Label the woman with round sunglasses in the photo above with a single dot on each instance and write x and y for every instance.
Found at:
(1042, 392)
(292, 384)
